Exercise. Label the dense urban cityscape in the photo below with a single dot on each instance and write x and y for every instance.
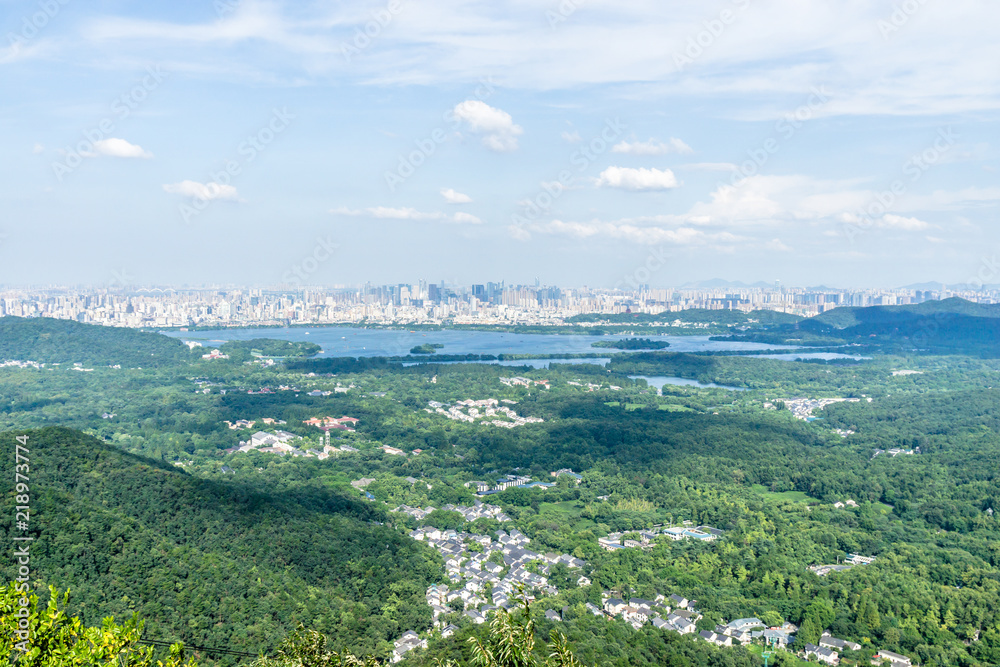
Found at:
(428, 303)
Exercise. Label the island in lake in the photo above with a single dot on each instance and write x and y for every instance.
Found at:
(633, 344)
(426, 348)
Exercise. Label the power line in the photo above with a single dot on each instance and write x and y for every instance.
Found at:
(206, 649)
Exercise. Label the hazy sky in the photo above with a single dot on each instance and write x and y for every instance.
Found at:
(842, 142)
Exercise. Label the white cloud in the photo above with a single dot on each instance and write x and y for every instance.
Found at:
(388, 213)
(38, 149)
(572, 137)
(453, 197)
(115, 147)
(20, 50)
(711, 166)
(652, 147)
(777, 246)
(406, 213)
(938, 62)
(627, 178)
(892, 221)
(466, 218)
(621, 230)
(498, 130)
(203, 191)
(519, 233)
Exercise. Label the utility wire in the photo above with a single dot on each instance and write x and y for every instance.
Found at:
(206, 649)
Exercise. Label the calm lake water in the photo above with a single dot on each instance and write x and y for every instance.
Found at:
(353, 342)
(659, 381)
(533, 363)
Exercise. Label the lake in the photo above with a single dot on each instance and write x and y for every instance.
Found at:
(659, 381)
(533, 363)
(359, 342)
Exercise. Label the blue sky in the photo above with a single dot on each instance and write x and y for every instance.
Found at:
(848, 143)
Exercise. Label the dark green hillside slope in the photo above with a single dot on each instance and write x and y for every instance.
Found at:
(211, 563)
(48, 340)
(951, 326)
(845, 317)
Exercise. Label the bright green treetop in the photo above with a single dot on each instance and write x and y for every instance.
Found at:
(55, 639)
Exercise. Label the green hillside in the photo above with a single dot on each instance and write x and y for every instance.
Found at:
(48, 340)
(845, 317)
(940, 327)
(210, 563)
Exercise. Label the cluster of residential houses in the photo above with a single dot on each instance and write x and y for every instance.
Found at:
(524, 382)
(645, 539)
(20, 364)
(278, 442)
(802, 408)
(829, 649)
(282, 443)
(590, 386)
(680, 615)
(849, 562)
(245, 424)
(508, 482)
(339, 389)
(490, 413)
(674, 613)
(896, 451)
(477, 511)
(343, 423)
(409, 641)
(479, 583)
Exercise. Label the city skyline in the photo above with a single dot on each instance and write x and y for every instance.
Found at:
(424, 303)
(234, 141)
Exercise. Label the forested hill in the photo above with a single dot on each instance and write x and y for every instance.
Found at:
(50, 340)
(212, 563)
(846, 317)
(951, 326)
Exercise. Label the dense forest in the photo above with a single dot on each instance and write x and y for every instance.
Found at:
(951, 326)
(47, 340)
(143, 504)
(222, 564)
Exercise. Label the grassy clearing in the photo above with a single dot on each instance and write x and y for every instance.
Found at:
(566, 513)
(784, 496)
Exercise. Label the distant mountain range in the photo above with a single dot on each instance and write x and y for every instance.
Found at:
(718, 283)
